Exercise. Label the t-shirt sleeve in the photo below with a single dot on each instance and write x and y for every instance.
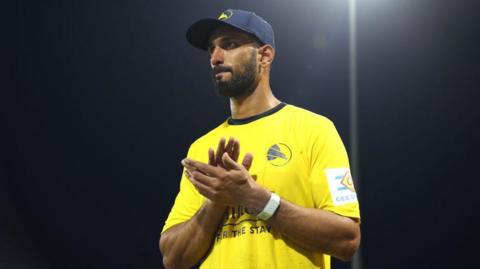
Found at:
(187, 202)
(332, 183)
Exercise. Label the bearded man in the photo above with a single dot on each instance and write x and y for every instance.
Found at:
(290, 201)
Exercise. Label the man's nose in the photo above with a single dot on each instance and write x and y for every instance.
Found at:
(216, 58)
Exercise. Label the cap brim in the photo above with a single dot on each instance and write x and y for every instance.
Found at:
(199, 32)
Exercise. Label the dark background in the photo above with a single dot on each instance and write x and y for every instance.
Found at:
(104, 98)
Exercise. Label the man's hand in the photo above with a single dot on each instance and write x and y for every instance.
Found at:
(183, 245)
(232, 148)
(224, 181)
(226, 184)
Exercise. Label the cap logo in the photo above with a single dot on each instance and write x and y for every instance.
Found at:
(225, 15)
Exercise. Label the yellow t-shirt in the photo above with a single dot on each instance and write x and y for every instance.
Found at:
(298, 155)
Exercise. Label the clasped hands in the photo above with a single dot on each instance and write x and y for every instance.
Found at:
(224, 181)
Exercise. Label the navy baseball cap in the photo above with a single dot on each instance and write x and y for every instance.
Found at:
(243, 20)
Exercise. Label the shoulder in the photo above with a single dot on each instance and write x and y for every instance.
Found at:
(307, 119)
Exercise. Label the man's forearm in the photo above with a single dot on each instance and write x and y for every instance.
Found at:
(317, 229)
(183, 245)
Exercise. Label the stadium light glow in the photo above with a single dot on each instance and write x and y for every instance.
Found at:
(354, 156)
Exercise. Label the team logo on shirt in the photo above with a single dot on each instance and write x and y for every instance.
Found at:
(279, 154)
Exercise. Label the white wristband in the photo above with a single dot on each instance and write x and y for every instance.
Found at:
(270, 207)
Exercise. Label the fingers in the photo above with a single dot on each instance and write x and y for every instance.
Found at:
(188, 166)
(220, 151)
(236, 150)
(211, 157)
(229, 146)
(228, 163)
(247, 161)
(192, 165)
(202, 179)
(198, 183)
(232, 147)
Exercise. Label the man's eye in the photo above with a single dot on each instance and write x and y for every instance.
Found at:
(231, 45)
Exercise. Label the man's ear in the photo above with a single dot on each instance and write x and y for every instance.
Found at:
(267, 54)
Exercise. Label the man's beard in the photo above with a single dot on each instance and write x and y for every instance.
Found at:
(240, 83)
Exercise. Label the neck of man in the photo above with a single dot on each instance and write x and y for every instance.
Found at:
(259, 100)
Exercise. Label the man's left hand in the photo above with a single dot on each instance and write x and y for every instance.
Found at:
(229, 184)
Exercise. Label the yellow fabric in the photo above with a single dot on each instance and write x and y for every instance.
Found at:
(307, 145)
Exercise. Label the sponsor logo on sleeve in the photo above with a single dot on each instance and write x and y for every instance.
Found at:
(341, 186)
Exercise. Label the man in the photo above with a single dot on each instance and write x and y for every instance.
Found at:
(290, 203)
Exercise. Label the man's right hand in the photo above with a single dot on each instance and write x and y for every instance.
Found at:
(183, 245)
